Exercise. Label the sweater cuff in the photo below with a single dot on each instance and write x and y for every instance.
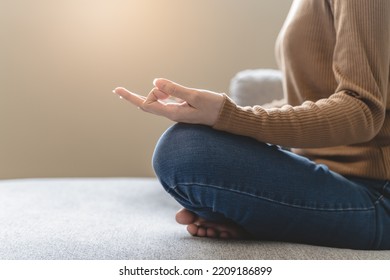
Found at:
(225, 114)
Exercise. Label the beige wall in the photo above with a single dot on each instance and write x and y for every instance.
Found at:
(60, 60)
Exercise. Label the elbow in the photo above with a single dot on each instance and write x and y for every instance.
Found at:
(372, 124)
(368, 115)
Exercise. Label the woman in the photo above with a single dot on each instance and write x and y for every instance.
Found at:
(223, 163)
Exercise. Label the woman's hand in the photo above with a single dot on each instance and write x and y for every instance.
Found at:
(195, 106)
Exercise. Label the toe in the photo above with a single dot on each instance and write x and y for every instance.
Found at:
(202, 232)
(224, 235)
(185, 217)
(211, 232)
(192, 229)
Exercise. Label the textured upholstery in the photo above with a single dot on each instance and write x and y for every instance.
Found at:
(120, 218)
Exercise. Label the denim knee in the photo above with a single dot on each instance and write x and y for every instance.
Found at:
(179, 152)
(162, 154)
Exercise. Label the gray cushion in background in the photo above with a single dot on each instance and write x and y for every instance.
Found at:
(258, 87)
(120, 219)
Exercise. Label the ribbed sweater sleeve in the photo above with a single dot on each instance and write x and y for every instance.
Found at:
(354, 111)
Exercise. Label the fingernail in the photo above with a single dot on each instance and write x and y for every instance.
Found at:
(155, 81)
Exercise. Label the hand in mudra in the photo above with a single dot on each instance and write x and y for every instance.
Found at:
(195, 106)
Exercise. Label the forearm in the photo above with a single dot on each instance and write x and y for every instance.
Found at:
(339, 120)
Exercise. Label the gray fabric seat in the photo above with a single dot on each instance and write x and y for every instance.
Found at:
(118, 219)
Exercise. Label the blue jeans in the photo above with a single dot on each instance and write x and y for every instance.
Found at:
(272, 193)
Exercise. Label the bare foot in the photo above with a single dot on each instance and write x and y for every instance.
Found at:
(197, 226)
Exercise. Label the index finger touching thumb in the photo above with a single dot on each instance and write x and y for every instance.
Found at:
(172, 88)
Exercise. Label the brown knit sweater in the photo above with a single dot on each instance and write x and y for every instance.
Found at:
(335, 56)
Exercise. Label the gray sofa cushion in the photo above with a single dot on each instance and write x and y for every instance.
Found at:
(258, 87)
(120, 219)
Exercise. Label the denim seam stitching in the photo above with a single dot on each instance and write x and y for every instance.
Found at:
(384, 188)
(279, 202)
(376, 241)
